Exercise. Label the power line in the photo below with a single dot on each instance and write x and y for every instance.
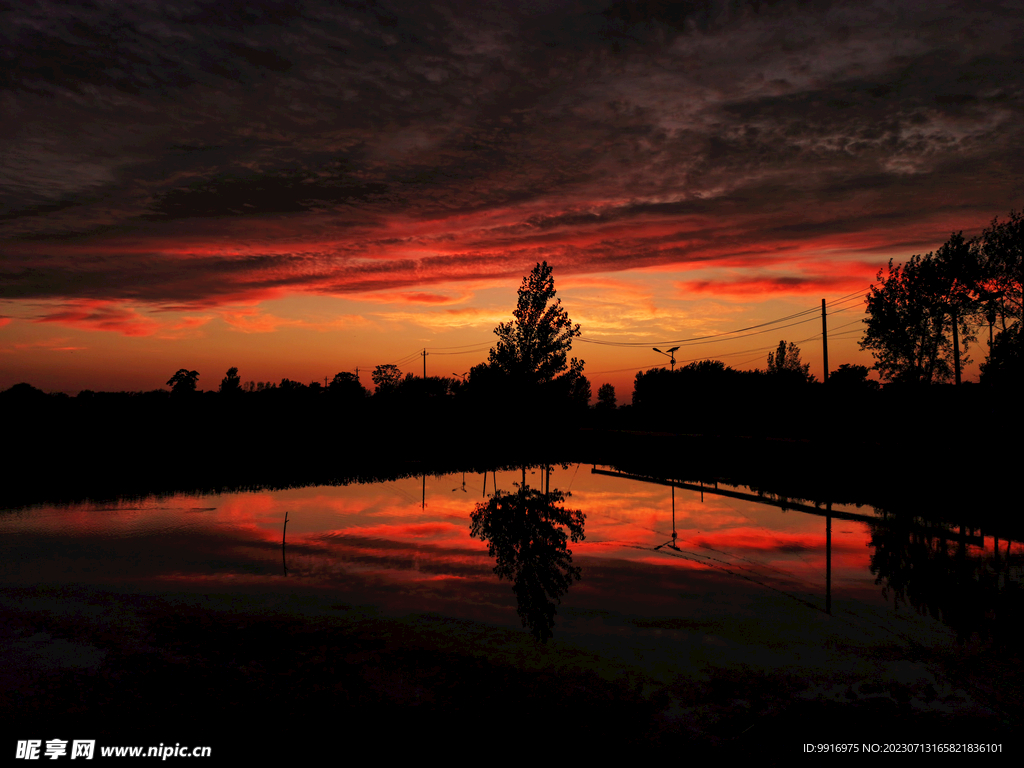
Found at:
(703, 339)
(740, 352)
(463, 346)
(694, 339)
(464, 352)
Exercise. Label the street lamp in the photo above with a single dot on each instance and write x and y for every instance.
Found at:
(671, 353)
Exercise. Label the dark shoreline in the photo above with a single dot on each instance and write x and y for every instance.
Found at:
(899, 477)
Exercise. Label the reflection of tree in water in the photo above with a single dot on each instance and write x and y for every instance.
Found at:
(524, 531)
(967, 590)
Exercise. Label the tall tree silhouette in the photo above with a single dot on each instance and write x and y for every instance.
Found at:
(1000, 250)
(913, 309)
(533, 348)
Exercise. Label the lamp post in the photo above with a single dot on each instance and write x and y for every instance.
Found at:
(671, 354)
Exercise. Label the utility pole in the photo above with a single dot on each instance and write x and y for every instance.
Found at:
(424, 353)
(357, 374)
(824, 340)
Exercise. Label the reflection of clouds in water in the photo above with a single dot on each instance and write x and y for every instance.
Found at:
(248, 507)
(380, 531)
(435, 532)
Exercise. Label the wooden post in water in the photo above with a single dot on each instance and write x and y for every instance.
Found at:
(284, 534)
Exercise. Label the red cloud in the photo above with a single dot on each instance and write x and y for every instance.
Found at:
(415, 297)
(427, 298)
(774, 285)
(53, 345)
(102, 316)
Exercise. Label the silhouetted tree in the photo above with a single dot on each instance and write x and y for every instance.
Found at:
(231, 384)
(183, 382)
(606, 397)
(386, 377)
(534, 346)
(785, 361)
(848, 376)
(1000, 254)
(346, 385)
(912, 310)
(413, 388)
(579, 393)
(532, 349)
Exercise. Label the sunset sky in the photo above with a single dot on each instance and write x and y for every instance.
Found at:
(298, 190)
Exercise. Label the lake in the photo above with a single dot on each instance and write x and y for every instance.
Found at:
(845, 603)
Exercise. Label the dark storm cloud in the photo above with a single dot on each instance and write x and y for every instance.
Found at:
(192, 151)
(254, 194)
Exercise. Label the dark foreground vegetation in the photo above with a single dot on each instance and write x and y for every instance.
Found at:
(219, 670)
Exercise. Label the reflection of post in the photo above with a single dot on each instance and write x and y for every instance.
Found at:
(674, 513)
(284, 534)
(671, 544)
(423, 498)
(828, 558)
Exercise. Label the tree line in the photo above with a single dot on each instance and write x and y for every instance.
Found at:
(529, 366)
(924, 314)
(922, 317)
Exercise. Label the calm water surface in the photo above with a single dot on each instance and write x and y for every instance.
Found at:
(432, 544)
